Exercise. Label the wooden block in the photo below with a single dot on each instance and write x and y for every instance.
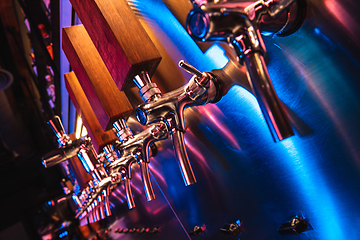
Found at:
(107, 101)
(98, 137)
(81, 174)
(122, 42)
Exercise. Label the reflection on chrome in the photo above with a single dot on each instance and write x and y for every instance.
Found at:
(239, 24)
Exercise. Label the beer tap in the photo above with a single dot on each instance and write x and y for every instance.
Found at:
(119, 169)
(85, 151)
(132, 148)
(94, 199)
(137, 149)
(89, 198)
(168, 109)
(67, 148)
(238, 24)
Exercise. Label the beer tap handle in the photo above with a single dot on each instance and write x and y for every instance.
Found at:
(57, 127)
(190, 69)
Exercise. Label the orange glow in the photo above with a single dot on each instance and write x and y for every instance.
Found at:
(344, 18)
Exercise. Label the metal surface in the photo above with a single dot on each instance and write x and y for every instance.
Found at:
(246, 182)
(169, 110)
(240, 28)
(241, 173)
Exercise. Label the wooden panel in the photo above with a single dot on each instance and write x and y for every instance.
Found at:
(98, 137)
(122, 42)
(79, 171)
(106, 100)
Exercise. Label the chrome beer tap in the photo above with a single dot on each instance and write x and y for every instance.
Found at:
(89, 198)
(119, 169)
(67, 148)
(90, 160)
(238, 24)
(168, 109)
(136, 148)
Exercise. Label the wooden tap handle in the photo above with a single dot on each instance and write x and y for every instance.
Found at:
(82, 175)
(98, 136)
(107, 101)
(121, 40)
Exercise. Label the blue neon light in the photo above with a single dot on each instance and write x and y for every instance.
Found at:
(299, 158)
(63, 234)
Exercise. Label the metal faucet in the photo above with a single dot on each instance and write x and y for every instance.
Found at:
(168, 109)
(238, 24)
(89, 195)
(117, 170)
(137, 147)
(133, 149)
(67, 148)
(96, 205)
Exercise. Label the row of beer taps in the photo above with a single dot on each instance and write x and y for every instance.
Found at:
(163, 114)
(232, 22)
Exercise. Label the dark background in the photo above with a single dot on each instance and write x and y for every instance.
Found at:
(24, 110)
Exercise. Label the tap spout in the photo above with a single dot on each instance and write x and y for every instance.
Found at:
(182, 157)
(139, 146)
(240, 29)
(168, 109)
(57, 156)
(270, 104)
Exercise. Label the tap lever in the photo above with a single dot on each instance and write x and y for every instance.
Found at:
(58, 129)
(57, 156)
(199, 84)
(190, 69)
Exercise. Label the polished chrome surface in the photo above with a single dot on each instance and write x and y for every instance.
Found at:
(169, 110)
(67, 148)
(240, 28)
(136, 148)
(242, 174)
(58, 128)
